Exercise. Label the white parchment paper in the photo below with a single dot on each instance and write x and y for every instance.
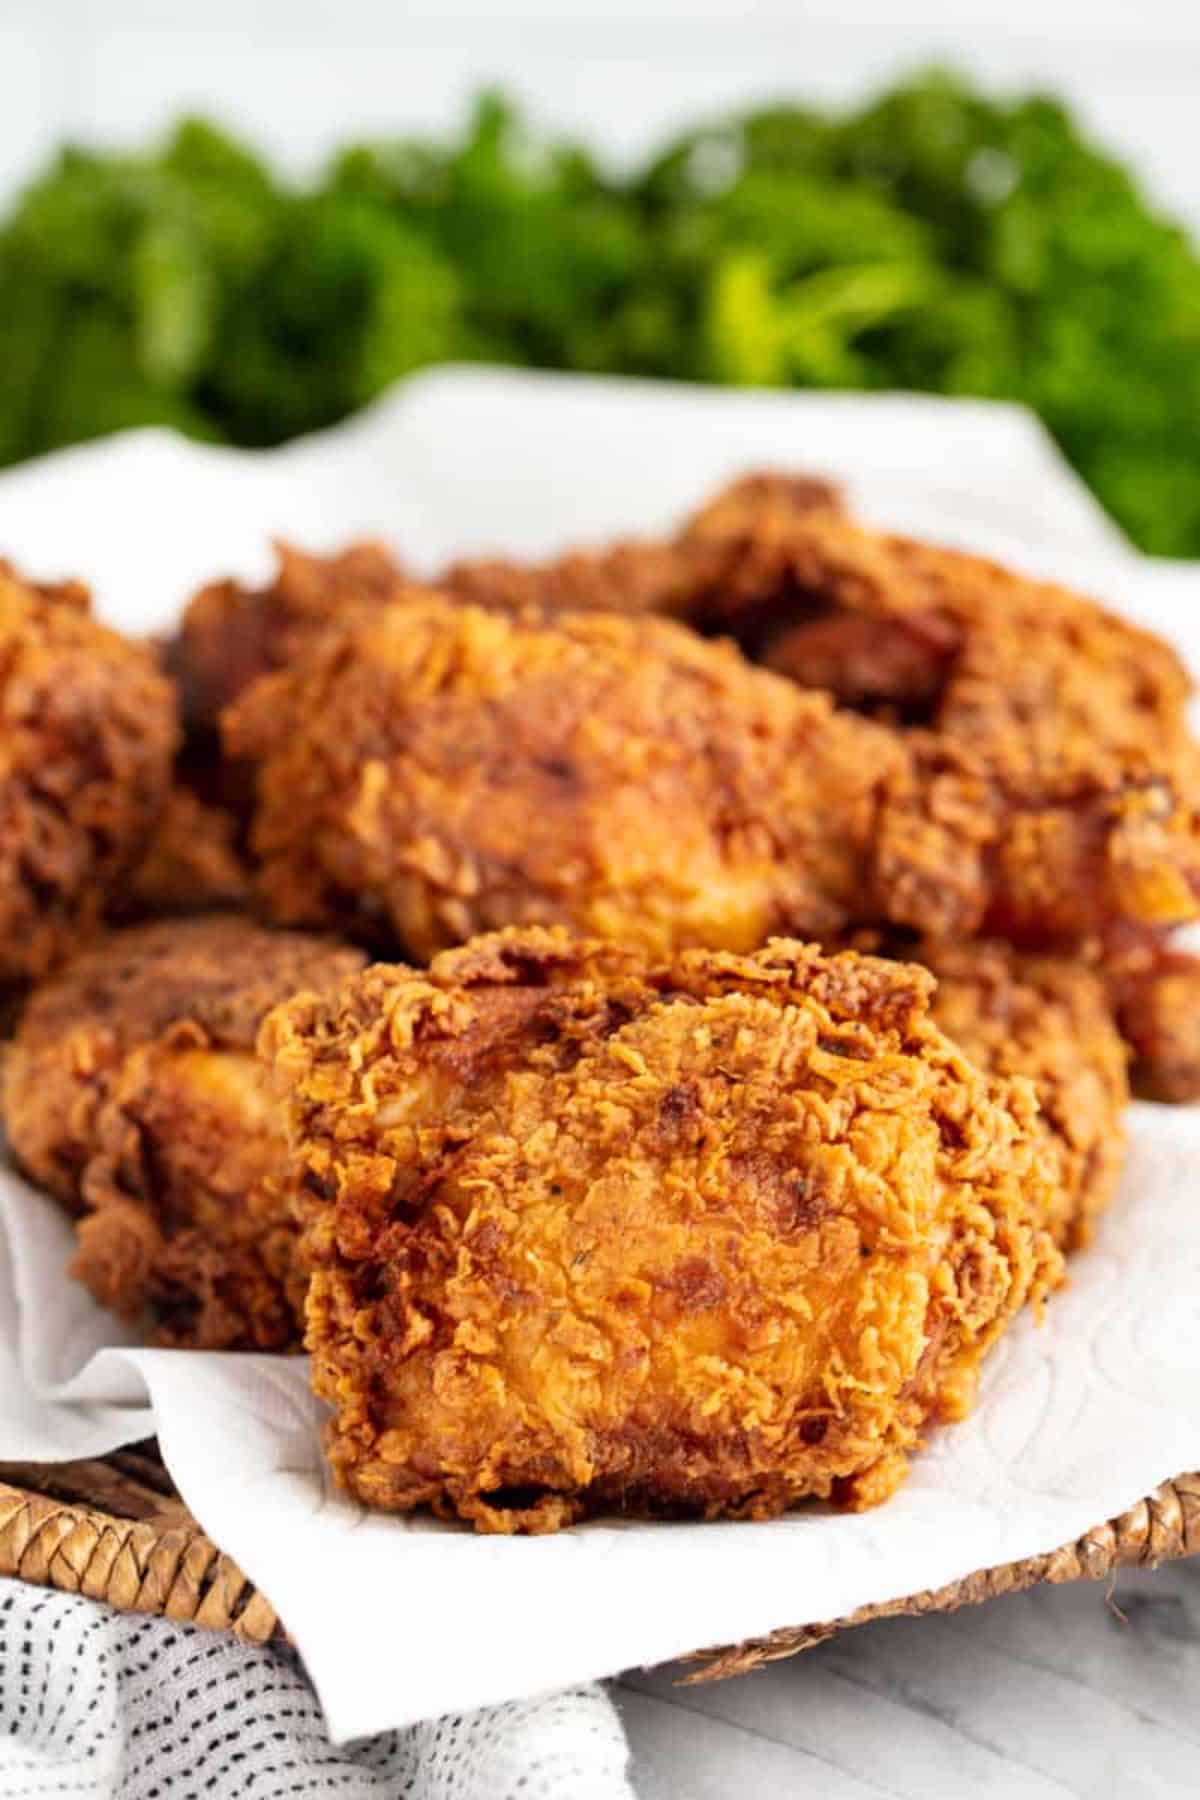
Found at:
(403, 1619)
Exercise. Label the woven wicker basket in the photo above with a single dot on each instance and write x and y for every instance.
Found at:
(116, 1530)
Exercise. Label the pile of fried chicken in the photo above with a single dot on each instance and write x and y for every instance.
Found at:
(646, 1022)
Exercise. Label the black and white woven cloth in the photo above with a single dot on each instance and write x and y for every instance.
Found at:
(95, 1703)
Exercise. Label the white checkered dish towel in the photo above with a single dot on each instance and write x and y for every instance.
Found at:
(95, 1703)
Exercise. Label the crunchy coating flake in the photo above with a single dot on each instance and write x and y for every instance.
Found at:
(87, 735)
(132, 1093)
(591, 1233)
(437, 769)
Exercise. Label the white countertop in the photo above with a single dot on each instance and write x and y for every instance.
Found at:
(1091, 1690)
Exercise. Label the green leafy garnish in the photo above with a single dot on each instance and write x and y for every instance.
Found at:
(934, 239)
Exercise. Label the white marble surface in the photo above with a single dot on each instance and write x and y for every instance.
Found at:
(1091, 1690)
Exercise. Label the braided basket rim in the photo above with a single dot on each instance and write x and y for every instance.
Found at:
(113, 1529)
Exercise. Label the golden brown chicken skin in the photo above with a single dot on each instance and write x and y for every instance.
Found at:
(87, 735)
(593, 1232)
(438, 769)
(132, 1093)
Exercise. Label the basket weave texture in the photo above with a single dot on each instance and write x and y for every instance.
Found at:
(114, 1529)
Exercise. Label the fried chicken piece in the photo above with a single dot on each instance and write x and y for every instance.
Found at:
(191, 864)
(1047, 1018)
(591, 1233)
(230, 635)
(1052, 732)
(133, 1095)
(642, 575)
(1049, 734)
(436, 769)
(1154, 990)
(87, 734)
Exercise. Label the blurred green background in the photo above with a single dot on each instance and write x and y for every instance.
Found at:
(932, 239)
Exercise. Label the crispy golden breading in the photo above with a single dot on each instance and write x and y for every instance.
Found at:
(1047, 1018)
(230, 635)
(87, 734)
(435, 770)
(591, 1233)
(1052, 733)
(1154, 990)
(1049, 742)
(191, 864)
(132, 1093)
